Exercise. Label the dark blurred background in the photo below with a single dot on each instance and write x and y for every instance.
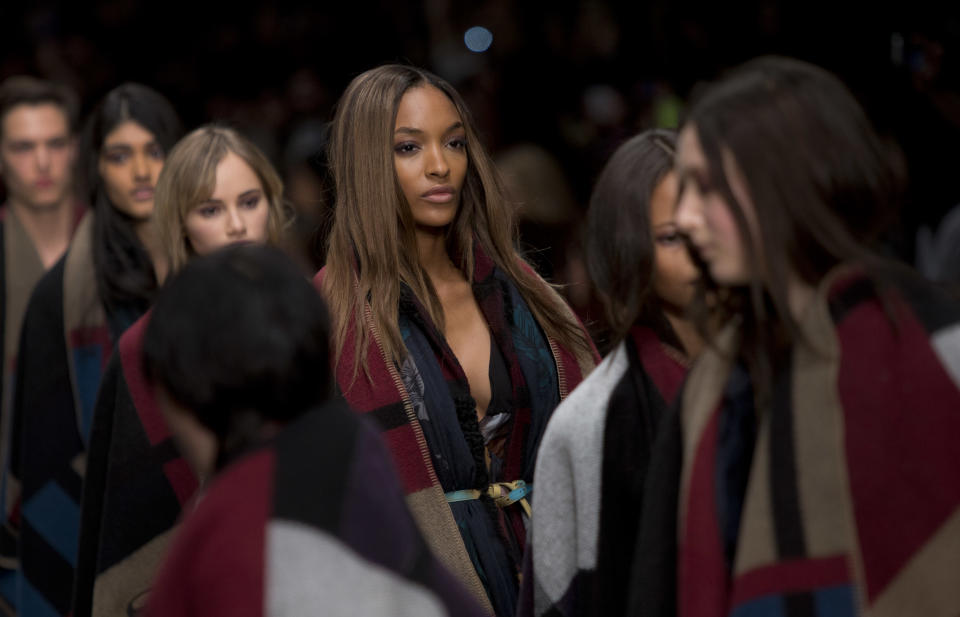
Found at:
(559, 87)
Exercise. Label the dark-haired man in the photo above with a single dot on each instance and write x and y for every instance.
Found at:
(37, 151)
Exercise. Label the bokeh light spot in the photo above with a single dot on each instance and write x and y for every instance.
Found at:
(478, 39)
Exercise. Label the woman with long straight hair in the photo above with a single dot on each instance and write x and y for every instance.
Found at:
(596, 449)
(815, 462)
(442, 332)
(106, 281)
(217, 188)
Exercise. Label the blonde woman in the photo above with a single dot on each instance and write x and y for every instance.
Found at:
(442, 332)
(216, 189)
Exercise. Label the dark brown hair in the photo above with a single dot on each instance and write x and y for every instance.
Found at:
(26, 90)
(619, 245)
(818, 177)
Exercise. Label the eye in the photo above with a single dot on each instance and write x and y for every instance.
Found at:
(21, 146)
(669, 238)
(156, 152)
(406, 147)
(208, 211)
(117, 158)
(458, 143)
(58, 144)
(250, 203)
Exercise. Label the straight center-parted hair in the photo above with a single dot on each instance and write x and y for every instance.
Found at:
(189, 178)
(124, 271)
(372, 245)
(820, 181)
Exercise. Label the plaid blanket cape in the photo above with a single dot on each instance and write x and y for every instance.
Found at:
(313, 523)
(594, 459)
(384, 397)
(852, 504)
(64, 345)
(135, 486)
(21, 269)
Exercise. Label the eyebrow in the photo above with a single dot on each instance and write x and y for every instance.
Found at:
(126, 146)
(413, 131)
(247, 193)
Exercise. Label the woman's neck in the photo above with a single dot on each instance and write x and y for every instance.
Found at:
(146, 233)
(686, 333)
(434, 259)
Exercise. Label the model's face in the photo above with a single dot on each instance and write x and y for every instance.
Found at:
(706, 217)
(674, 274)
(430, 155)
(237, 211)
(130, 162)
(36, 155)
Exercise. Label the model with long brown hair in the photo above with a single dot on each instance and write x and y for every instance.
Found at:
(814, 459)
(442, 332)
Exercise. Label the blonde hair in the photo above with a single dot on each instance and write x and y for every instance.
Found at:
(372, 245)
(189, 177)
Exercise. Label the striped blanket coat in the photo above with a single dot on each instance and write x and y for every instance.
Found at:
(64, 346)
(386, 400)
(851, 500)
(594, 459)
(21, 270)
(312, 523)
(135, 486)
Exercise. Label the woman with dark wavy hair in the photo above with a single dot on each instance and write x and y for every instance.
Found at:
(441, 331)
(106, 281)
(814, 463)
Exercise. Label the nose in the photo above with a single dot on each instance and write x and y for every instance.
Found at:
(141, 171)
(236, 225)
(43, 157)
(688, 213)
(436, 163)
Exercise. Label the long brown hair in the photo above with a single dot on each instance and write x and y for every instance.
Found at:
(820, 181)
(372, 245)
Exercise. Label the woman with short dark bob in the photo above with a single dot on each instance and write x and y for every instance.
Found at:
(816, 462)
(79, 309)
(596, 447)
(441, 331)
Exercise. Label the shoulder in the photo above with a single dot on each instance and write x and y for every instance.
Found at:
(587, 404)
(131, 341)
(50, 285)
(216, 561)
(243, 485)
(221, 542)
